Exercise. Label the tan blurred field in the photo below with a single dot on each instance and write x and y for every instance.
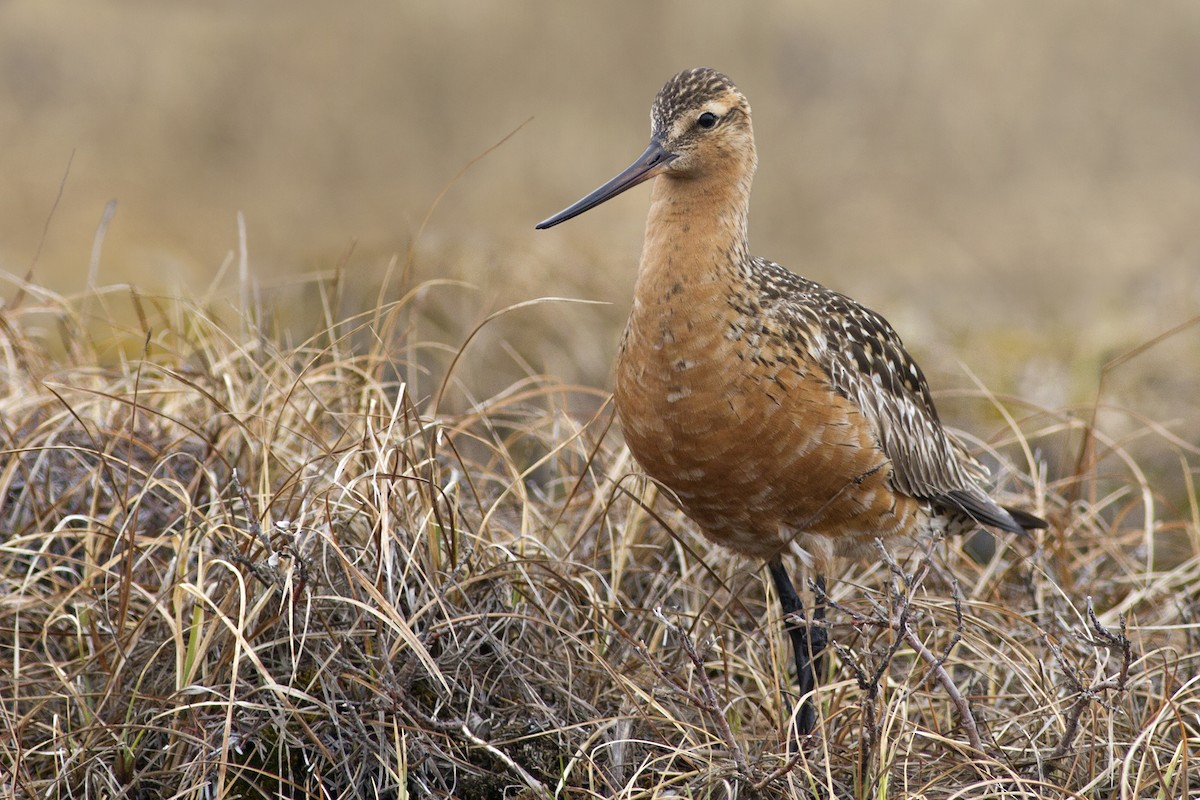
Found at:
(1015, 185)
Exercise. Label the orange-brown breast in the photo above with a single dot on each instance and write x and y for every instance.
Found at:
(745, 429)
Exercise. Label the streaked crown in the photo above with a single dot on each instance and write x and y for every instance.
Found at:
(692, 89)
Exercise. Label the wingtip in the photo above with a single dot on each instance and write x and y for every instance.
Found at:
(985, 511)
(1027, 521)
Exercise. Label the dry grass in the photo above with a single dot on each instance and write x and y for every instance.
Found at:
(238, 567)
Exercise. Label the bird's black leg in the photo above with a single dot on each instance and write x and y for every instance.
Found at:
(808, 642)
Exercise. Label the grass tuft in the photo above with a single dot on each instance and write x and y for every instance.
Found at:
(235, 566)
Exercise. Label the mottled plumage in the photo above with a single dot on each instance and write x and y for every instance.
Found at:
(781, 414)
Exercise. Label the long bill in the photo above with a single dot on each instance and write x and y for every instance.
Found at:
(650, 163)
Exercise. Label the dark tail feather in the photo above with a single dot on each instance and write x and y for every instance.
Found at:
(982, 544)
(1026, 520)
(983, 510)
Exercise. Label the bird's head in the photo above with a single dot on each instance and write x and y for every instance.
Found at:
(699, 127)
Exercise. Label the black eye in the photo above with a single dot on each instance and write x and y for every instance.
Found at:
(707, 120)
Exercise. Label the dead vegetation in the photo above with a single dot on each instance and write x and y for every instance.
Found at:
(236, 567)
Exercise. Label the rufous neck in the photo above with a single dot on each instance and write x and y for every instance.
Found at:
(697, 226)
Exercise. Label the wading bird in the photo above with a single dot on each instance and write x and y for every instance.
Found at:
(781, 414)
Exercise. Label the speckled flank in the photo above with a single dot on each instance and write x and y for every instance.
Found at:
(779, 412)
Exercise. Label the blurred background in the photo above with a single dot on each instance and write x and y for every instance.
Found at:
(1015, 185)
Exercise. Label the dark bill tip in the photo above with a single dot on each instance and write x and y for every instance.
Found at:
(648, 164)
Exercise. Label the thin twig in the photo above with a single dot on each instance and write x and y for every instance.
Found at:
(936, 665)
(779, 772)
(256, 529)
(957, 635)
(1119, 641)
(939, 672)
(1085, 694)
(708, 700)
